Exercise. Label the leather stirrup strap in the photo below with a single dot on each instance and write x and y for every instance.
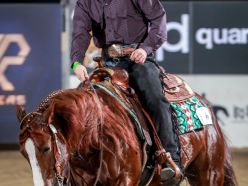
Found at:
(160, 153)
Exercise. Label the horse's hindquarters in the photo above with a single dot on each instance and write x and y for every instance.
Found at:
(191, 145)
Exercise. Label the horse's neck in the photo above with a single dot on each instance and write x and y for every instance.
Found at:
(82, 136)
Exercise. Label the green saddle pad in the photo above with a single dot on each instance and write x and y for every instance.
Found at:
(191, 115)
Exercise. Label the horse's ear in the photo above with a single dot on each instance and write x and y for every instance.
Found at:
(20, 112)
(50, 113)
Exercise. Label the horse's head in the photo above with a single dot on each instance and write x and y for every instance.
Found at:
(44, 147)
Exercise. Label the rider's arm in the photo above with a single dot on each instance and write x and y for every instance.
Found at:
(155, 14)
(81, 32)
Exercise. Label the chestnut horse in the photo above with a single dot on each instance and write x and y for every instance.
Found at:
(85, 137)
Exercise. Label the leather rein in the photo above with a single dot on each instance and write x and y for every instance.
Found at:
(57, 154)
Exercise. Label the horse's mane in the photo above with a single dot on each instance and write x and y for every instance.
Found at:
(79, 113)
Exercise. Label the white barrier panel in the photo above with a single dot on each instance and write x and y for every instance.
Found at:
(229, 96)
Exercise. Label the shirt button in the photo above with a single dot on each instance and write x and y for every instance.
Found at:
(106, 4)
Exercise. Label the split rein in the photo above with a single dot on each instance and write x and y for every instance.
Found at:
(101, 136)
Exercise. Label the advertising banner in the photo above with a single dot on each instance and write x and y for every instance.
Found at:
(206, 38)
(30, 60)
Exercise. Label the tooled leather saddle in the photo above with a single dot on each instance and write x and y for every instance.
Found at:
(174, 87)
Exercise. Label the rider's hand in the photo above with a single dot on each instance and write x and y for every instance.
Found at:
(81, 73)
(138, 56)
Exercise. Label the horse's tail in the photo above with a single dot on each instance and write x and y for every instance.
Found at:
(229, 175)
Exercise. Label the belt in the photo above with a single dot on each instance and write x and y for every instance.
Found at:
(117, 50)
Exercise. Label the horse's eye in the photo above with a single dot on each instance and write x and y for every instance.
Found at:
(44, 149)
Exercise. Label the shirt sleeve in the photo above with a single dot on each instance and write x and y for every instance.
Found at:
(81, 32)
(157, 34)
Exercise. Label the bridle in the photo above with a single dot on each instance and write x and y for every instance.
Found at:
(57, 156)
(30, 116)
(61, 180)
(56, 148)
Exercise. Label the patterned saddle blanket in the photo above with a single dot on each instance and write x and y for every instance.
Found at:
(190, 115)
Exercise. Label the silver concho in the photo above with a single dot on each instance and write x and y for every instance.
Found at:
(115, 50)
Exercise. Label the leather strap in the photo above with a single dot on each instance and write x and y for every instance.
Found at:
(161, 155)
(160, 152)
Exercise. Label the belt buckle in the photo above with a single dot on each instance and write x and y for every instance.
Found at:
(115, 51)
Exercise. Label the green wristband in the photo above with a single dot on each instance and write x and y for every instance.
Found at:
(74, 65)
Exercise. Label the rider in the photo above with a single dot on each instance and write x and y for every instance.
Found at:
(139, 24)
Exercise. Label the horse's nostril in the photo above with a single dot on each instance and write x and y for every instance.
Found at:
(60, 181)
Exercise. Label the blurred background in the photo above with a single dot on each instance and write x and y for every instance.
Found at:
(207, 46)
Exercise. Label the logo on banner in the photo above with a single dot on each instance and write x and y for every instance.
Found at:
(6, 61)
(6, 40)
(207, 37)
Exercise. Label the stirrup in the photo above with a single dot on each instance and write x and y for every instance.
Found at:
(167, 173)
(171, 170)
